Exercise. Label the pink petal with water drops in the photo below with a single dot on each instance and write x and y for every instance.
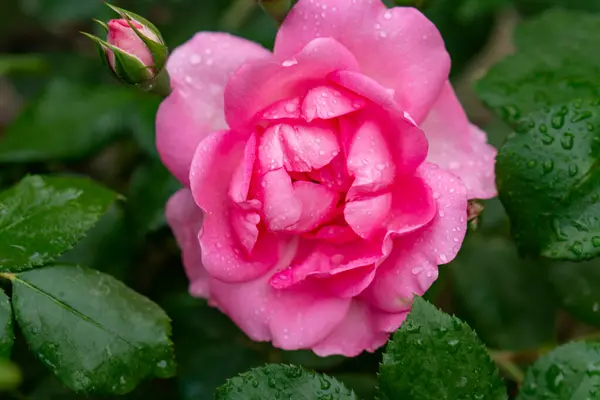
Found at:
(185, 219)
(318, 204)
(327, 102)
(406, 140)
(199, 70)
(411, 268)
(413, 205)
(368, 157)
(222, 255)
(292, 319)
(258, 85)
(460, 147)
(399, 47)
(366, 215)
(334, 175)
(242, 175)
(281, 208)
(357, 332)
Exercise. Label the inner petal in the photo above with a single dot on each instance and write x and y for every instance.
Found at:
(308, 147)
(318, 204)
(368, 156)
(281, 207)
(326, 102)
(367, 215)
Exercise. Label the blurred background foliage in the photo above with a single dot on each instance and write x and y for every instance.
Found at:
(62, 112)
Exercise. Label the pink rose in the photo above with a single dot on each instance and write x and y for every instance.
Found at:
(121, 35)
(325, 181)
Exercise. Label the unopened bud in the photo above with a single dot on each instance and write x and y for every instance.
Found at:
(135, 51)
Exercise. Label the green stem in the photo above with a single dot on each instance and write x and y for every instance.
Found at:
(7, 275)
(506, 365)
(160, 85)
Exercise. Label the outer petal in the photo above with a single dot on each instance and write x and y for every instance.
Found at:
(292, 318)
(458, 146)
(199, 70)
(400, 48)
(222, 254)
(185, 219)
(259, 85)
(358, 332)
(411, 268)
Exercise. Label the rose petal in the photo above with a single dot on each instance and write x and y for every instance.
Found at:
(460, 147)
(406, 141)
(399, 48)
(293, 318)
(368, 157)
(367, 215)
(327, 102)
(318, 204)
(222, 255)
(411, 268)
(358, 332)
(185, 219)
(199, 70)
(258, 85)
(281, 208)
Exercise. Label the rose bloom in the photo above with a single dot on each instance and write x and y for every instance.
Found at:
(326, 181)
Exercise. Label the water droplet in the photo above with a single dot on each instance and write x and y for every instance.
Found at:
(387, 15)
(462, 381)
(573, 169)
(554, 377)
(531, 163)
(577, 248)
(558, 121)
(567, 141)
(580, 116)
(548, 166)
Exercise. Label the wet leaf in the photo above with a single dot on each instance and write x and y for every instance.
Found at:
(41, 217)
(96, 335)
(571, 371)
(549, 182)
(434, 356)
(283, 381)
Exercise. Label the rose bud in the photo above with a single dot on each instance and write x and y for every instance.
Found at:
(134, 51)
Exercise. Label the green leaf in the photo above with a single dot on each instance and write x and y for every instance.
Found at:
(10, 376)
(42, 217)
(7, 336)
(577, 285)
(94, 333)
(283, 381)
(553, 65)
(507, 300)
(434, 356)
(549, 182)
(571, 371)
(68, 121)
